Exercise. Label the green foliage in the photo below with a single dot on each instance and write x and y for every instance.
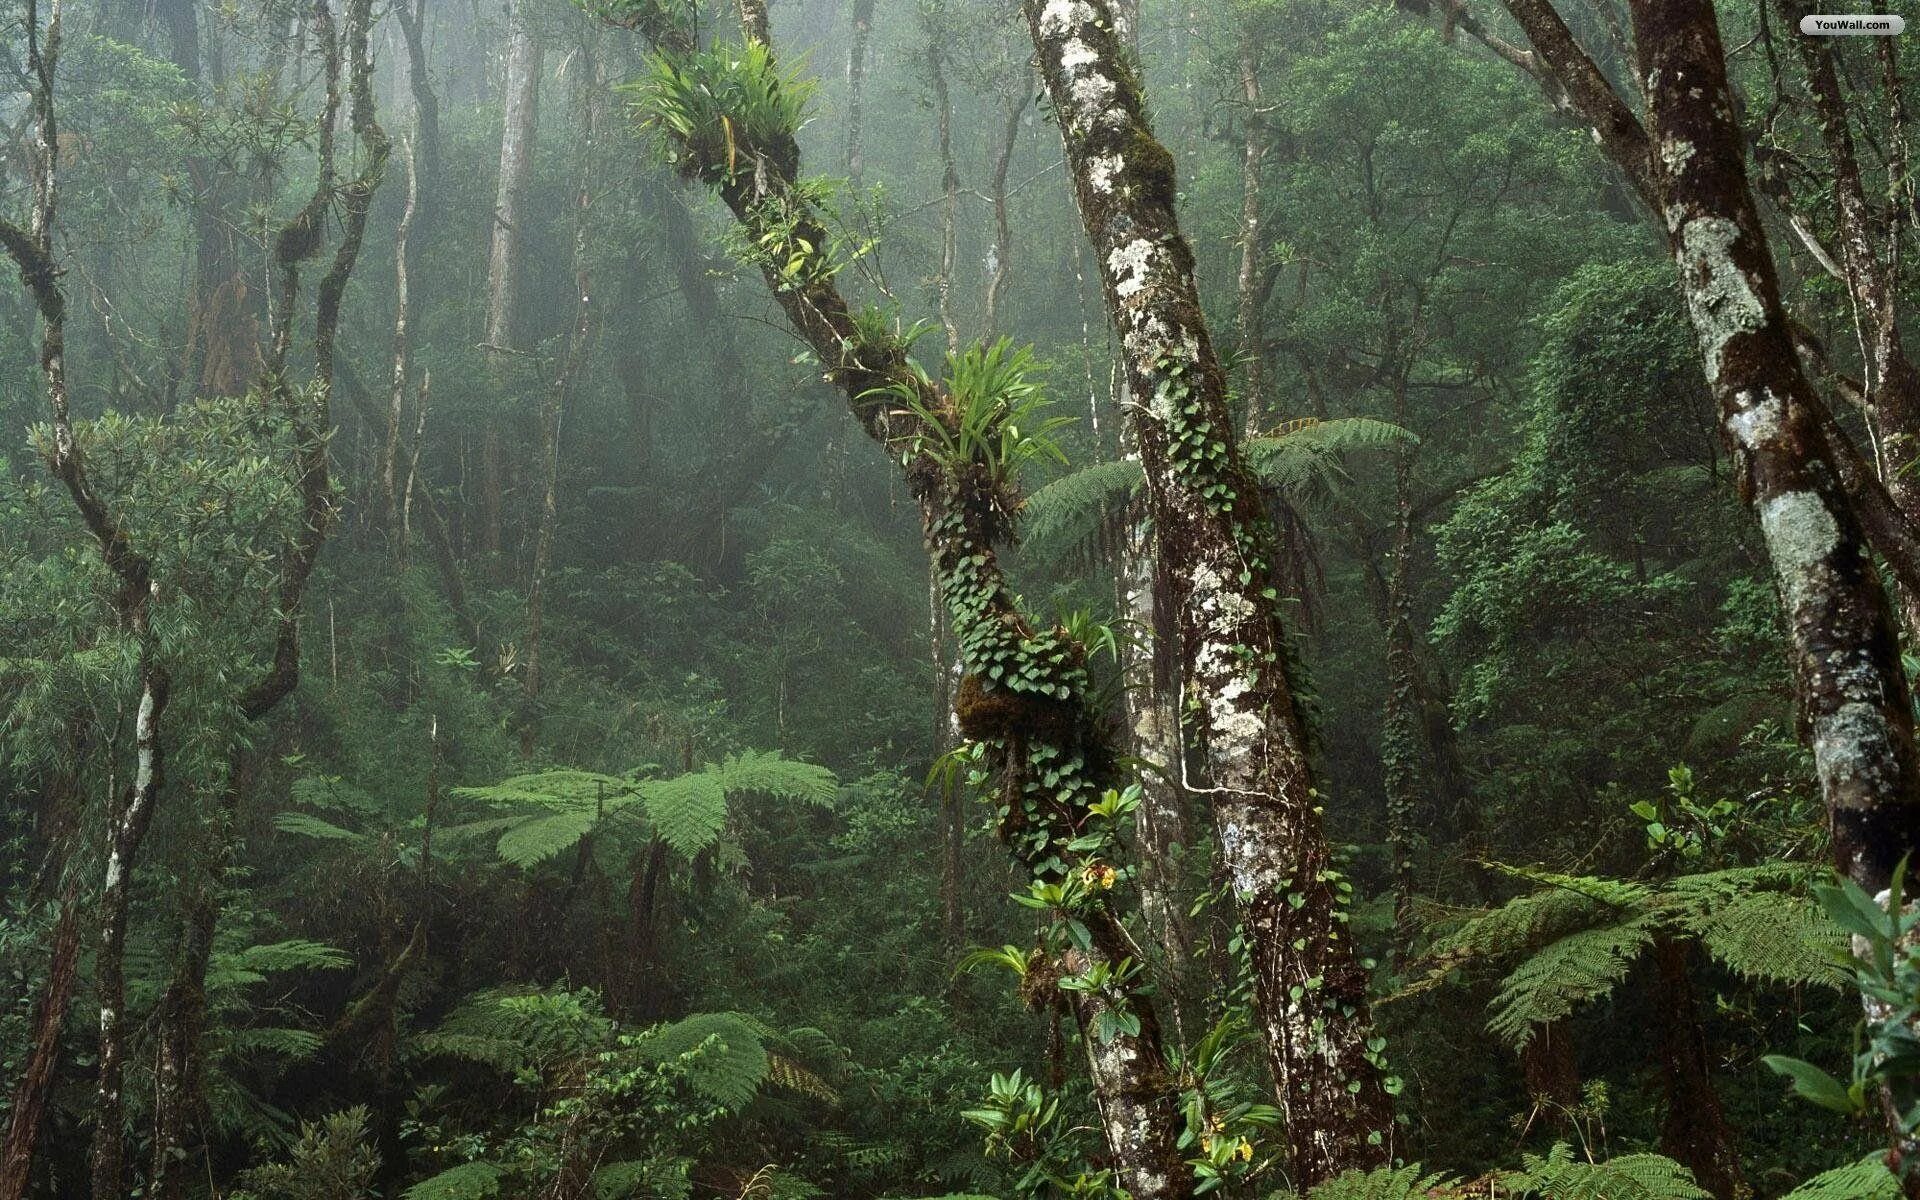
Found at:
(468, 1181)
(726, 1054)
(723, 108)
(331, 1160)
(1867, 1179)
(1383, 1183)
(1561, 1176)
(993, 418)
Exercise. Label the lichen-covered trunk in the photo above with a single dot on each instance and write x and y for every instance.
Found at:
(1002, 216)
(1217, 555)
(518, 124)
(128, 819)
(1153, 729)
(1845, 651)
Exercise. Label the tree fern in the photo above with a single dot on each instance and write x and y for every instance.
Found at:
(1867, 1179)
(1075, 517)
(307, 825)
(1564, 975)
(724, 1054)
(539, 838)
(769, 773)
(1560, 1176)
(1759, 923)
(468, 1181)
(1384, 1183)
(687, 812)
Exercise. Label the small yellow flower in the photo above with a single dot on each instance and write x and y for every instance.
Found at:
(1099, 875)
(1244, 1151)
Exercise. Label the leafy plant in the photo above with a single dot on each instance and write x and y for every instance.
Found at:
(993, 420)
(723, 107)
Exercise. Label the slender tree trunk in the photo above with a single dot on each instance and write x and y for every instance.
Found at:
(1852, 690)
(559, 391)
(1695, 1132)
(949, 189)
(1002, 216)
(128, 819)
(857, 45)
(1218, 553)
(517, 132)
(1251, 326)
(35, 1087)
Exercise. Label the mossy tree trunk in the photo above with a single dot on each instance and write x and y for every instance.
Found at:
(1217, 556)
(1845, 650)
(1025, 696)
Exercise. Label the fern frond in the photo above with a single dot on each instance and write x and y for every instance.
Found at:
(687, 812)
(558, 789)
(237, 968)
(785, 1073)
(1560, 1176)
(768, 773)
(1867, 1179)
(1383, 1183)
(468, 1181)
(1074, 517)
(536, 839)
(1759, 922)
(1564, 975)
(307, 825)
(724, 1054)
(1517, 927)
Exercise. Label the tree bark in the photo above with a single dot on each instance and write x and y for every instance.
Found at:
(1218, 553)
(857, 44)
(35, 1087)
(1851, 686)
(1251, 328)
(1002, 217)
(1695, 1132)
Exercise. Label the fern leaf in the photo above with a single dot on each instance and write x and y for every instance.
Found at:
(724, 1054)
(563, 789)
(468, 1181)
(1072, 517)
(767, 773)
(1867, 1179)
(783, 1072)
(688, 812)
(1760, 923)
(537, 839)
(1384, 1183)
(1560, 1176)
(296, 954)
(1565, 974)
(307, 825)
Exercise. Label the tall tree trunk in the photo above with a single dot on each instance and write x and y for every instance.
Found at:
(857, 44)
(128, 818)
(1250, 296)
(1852, 690)
(1695, 1132)
(1400, 732)
(949, 188)
(566, 372)
(1002, 217)
(1218, 553)
(517, 132)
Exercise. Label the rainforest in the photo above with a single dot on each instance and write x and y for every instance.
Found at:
(959, 600)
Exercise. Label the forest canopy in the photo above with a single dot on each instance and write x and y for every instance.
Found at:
(957, 600)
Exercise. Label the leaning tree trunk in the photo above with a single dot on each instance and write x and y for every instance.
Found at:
(1249, 319)
(1218, 554)
(31, 1093)
(1025, 696)
(857, 45)
(1845, 651)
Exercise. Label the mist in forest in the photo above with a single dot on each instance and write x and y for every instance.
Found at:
(995, 599)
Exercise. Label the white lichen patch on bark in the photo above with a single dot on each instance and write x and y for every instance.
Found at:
(1851, 744)
(1675, 153)
(1130, 266)
(1801, 535)
(1723, 301)
(1102, 170)
(1757, 422)
(1060, 16)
